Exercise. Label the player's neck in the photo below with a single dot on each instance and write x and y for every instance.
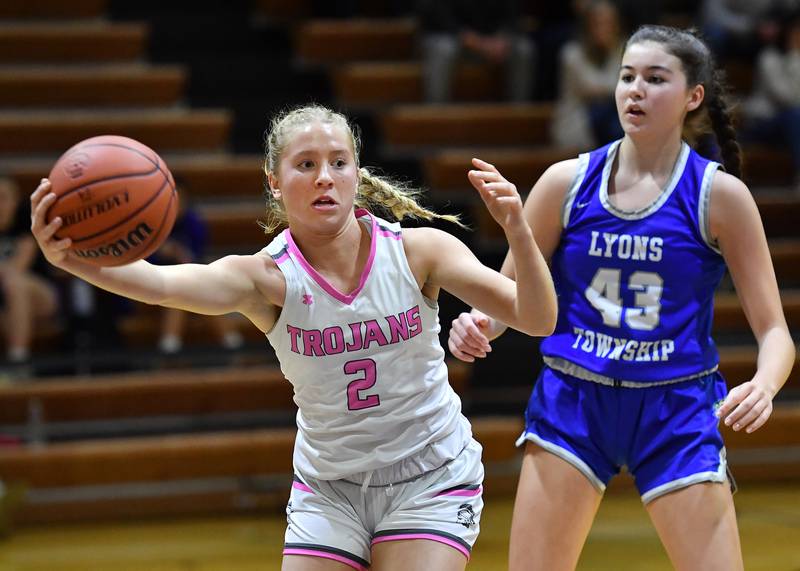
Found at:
(340, 258)
(653, 156)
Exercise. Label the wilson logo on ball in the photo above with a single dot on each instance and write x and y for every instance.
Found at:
(121, 246)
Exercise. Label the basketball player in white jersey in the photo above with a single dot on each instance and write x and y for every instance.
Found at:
(387, 474)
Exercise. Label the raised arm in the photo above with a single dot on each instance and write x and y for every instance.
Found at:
(251, 285)
(528, 305)
(737, 227)
(471, 332)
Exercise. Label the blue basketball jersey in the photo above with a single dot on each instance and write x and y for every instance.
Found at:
(636, 288)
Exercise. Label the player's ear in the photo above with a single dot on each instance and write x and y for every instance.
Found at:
(696, 96)
(274, 187)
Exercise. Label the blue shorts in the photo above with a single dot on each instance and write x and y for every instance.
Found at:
(666, 435)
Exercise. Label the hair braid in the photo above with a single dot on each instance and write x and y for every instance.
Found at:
(722, 123)
(395, 198)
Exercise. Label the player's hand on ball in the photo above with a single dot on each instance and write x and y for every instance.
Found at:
(54, 250)
(467, 340)
(501, 197)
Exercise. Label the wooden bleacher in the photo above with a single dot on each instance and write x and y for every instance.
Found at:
(70, 42)
(160, 468)
(378, 85)
(464, 125)
(161, 129)
(209, 177)
(336, 41)
(121, 85)
(52, 9)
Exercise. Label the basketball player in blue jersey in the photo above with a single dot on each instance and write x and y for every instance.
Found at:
(638, 234)
(386, 470)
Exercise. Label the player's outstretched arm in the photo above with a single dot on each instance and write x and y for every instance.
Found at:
(737, 227)
(471, 333)
(230, 284)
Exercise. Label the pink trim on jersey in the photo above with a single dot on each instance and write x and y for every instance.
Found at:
(468, 493)
(301, 486)
(428, 536)
(321, 281)
(313, 553)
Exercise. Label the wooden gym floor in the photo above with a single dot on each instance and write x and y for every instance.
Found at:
(621, 539)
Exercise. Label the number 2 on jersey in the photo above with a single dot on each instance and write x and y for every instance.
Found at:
(604, 295)
(354, 399)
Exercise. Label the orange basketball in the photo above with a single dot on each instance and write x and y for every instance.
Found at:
(116, 197)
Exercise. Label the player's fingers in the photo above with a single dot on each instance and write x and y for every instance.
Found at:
(741, 409)
(759, 422)
(458, 353)
(487, 176)
(465, 341)
(477, 338)
(62, 244)
(41, 190)
(735, 396)
(467, 326)
(38, 213)
(501, 189)
(49, 231)
(747, 415)
(483, 165)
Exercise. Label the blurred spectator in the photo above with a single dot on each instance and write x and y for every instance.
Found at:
(738, 28)
(772, 113)
(186, 244)
(27, 295)
(453, 29)
(555, 26)
(585, 114)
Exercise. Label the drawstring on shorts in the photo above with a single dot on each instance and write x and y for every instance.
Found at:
(365, 483)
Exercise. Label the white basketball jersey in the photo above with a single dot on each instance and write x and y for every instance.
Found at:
(367, 367)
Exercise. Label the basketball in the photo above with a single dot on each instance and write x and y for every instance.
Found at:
(116, 197)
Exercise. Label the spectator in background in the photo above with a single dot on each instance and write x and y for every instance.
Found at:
(187, 243)
(585, 114)
(555, 26)
(27, 295)
(454, 28)
(772, 113)
(737, 28)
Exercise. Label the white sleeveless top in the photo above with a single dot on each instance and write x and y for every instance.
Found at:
(367, 367)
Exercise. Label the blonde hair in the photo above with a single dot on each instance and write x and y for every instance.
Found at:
(375, 193)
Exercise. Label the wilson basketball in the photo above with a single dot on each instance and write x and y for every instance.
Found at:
(116, 198)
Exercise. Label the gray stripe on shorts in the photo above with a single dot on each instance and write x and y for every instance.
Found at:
(566, 455)
(422, 530)
(327, 549)
(719, 476)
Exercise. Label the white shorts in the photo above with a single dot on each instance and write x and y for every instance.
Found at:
(343, 519)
